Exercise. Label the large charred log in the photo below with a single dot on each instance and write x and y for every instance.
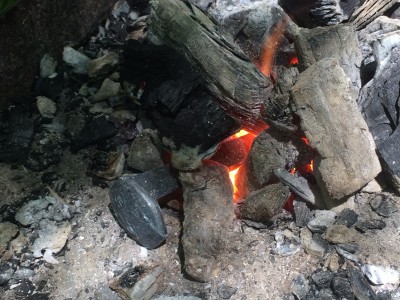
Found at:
(228, 72)
(369, 11)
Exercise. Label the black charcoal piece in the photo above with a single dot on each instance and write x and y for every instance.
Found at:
(322, 279)
(133, 202)
(349, 247)
(347, 217)
(96, 130)
(342, 288)
(383, 205)
(302, 213)
(360, 285)
(366, 225)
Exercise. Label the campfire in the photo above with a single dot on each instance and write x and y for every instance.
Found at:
(218, 136)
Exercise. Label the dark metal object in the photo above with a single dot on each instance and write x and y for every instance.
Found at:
(133, 202)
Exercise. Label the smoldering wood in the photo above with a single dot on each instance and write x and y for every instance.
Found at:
(207, 228)
(325, 102)
(338, 42)
(379, 101)
(369, 11)
(195, 130)
(271, 150)
(229, 74)
(263, 204)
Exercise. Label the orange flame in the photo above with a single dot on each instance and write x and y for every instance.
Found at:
(270, 47)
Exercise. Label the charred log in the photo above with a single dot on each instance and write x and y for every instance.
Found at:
(369, 11)
(228, 72)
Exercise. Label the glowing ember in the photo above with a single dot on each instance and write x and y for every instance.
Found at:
(232, 176)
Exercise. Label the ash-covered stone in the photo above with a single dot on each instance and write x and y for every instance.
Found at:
(383, 205)
(103, 65)
(143, 153)
(43, 208)
(226, 291)
(342, 288)
(75, 59)
(313, 244)
(52, 238)
(380, 274)
(7, 270)
(347, 217)
(286, 243)
(47, 108)
(8, 231)
(371, 224)
(302, 213)
(300, 286)
(340, 234)
(108, 89)
(321, 221)
(361, 287)
(263, 204)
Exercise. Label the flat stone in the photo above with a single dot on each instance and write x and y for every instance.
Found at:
(340, 234)
(75, 59)
(47, 108)
(321, 221)
(103, 64)
(225, 291)
(8, 231)
(326, 103)
(107, 90)
(380, 275)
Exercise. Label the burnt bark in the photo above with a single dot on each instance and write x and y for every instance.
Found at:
(369, 11)
(229, 73)
(207, 228)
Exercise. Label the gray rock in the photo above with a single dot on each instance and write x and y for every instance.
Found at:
(365, 225)
(287, 243)
(321, 221)
(103, 64)
(8, 231)
(225, 291)
(48, 65)
(75, 59)
(380, 274)
(143, 154)
(326, 103)
(326, 294)
(340, 234)
(47, 108)
(312, 246)
(107, 90)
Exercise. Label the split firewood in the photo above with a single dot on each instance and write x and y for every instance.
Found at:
(228, 72)
(369, 11)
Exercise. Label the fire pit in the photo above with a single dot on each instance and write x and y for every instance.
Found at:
(209, 150)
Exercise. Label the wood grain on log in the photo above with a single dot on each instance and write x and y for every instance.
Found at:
(369, 11)
(229, 74)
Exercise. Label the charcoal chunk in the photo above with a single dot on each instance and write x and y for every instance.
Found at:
(361, 287)
(347, 217)
(342, 288)
(322, 279)
(366, 225)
